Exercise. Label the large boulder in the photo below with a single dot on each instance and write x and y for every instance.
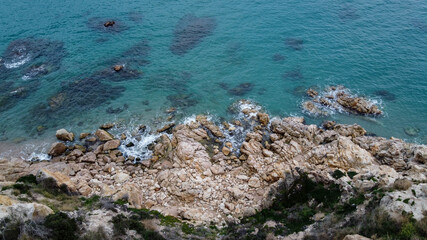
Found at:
(420, 154)
(25, 211)
(112, 144)
(57, 149)
(64, 135)
(104, 135)
(55, 180)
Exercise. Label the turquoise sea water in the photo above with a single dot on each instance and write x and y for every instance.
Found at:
(193, 55)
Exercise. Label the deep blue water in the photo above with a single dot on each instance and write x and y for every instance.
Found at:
(202, 56)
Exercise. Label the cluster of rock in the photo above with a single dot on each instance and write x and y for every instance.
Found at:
(338, 98)
(194, 174)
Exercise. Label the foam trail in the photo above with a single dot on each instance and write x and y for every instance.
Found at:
(141, 142)
(17, 63)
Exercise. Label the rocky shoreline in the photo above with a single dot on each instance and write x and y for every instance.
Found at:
(200, 178)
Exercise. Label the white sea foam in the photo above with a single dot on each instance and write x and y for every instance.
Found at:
(141, 143)
(38, 157)
(17, 62)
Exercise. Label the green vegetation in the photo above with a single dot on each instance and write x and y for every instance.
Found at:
(122, 223)
(187, 228)
(90, 202)
(61, 226)
(30, 179)
(383, 226)
(95, 235)
(121, 201)
(351, 174)
(293, 208)
(337, 174)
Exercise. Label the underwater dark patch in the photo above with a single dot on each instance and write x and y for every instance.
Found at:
(422, 25)
(9, 98)
(177, 82)
(112, 110)
(73, 98)
(295, 74)
(134, 57)
(36, 52)
(348, 13)
(278, 57)
(190, 31)
(101, 40)
(241, 89)
(294, 43)
(385, 95)
(299, 91)
(223, 85)
(183, 100)
(106, 25)
(110, 74)
(23, 62)
(135, 16)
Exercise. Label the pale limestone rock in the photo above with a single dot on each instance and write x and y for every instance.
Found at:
(112, 144)
(226, 151)
(410, 203)
(58, 178)
(254, 182)
(216, 169)
(64, 135)
(103, 135)
(121, 177)
(420, 154)
(355, 237)
(57, 149)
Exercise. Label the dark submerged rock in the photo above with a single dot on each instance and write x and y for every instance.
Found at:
(299, 91)
(117, 110)
(278, 57)
(295, 74)
(348, 13)
(177, 82)
(411, 131)
(135, 16)
(183, 100)
(241, 89)
(385, 95)
(22, 63)
(134, 57)
(22, 52)
(294, 43)
(189, 32)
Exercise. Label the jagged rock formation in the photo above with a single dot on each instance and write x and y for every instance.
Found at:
(190, 176)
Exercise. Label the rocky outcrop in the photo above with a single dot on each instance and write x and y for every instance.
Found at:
(57, 179)
(57, 149)
(339, 98)
(64, 135)
(103, 135)
(197, 173)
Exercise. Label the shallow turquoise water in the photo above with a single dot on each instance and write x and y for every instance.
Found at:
(365, 45)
